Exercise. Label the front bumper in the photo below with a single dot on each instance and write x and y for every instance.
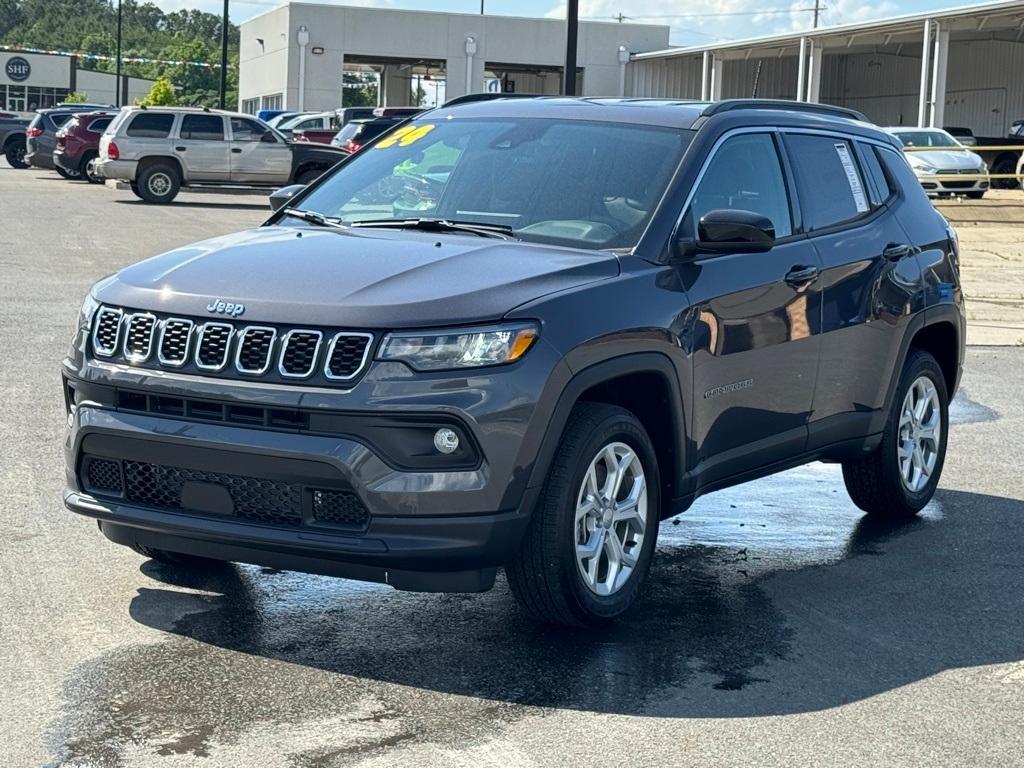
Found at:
(947, 183)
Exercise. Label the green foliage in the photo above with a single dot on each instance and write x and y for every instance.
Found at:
(160, 95)
(75, 97)
(363, 96)
(90, 26)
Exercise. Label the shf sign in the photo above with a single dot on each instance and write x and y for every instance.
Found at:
(18, 69)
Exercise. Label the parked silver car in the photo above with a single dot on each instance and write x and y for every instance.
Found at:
(935, 156)
(160, 149)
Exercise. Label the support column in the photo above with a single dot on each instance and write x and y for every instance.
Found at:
(801, 71)
(939, 66)
(814, 73)
(922, 99)
(705, 76)
(717, 66)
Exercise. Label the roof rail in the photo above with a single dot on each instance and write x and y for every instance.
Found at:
(730, 105)
(469, 98)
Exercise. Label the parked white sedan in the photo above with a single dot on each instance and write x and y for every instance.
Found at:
(944, 157)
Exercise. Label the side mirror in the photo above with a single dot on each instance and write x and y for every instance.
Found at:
(281, 197)
(728, 230)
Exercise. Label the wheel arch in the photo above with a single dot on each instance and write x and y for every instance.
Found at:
(647, 385)
(13, 138)
(150, 160)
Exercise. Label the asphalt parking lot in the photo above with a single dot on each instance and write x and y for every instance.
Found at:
(780, 628)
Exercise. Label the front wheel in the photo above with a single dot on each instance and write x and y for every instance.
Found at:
(591, 537)
(899, 477)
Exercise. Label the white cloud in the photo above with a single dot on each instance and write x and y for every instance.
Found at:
(705, 21)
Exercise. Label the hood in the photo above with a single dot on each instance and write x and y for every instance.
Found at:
(375, 279)
(955, 160)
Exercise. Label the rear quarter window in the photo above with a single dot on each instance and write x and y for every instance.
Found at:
(99, 125)
(880, 189)
(832, 189)
(150, 126)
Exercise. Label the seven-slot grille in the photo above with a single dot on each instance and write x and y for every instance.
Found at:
(214, 342)
(138, 341)
(106, 331)
(224, 348)
(299, 350)
(254, 347)
(174, 341)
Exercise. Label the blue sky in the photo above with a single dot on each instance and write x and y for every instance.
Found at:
(694, 22)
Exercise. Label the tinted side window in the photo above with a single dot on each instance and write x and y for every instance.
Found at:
(100, 125)
(145, 126)
(899, 169)
(247, 130)
(746, 174)
(831, 189)
(880, 190)
(202, 127)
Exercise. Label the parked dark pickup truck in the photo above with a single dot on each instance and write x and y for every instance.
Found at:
(12, 139)
(998, 160)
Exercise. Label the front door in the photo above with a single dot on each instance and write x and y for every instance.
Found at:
(754, 319)
(257, 155)
(202, 147)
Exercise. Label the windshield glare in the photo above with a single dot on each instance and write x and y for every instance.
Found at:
(571, 182)
(926, 139)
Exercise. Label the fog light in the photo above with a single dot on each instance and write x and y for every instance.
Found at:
(446, 440)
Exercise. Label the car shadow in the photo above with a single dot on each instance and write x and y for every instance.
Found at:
(216, 206)
(722, 631)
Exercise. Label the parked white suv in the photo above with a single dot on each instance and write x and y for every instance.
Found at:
(160, 149)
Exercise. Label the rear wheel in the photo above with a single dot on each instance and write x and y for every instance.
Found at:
(900, 476)
(158, 183)
(15, 154)
(1005, 165)
(308, 175)
(591, 537)
(89, 172)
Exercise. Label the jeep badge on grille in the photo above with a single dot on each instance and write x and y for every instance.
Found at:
(225, 308)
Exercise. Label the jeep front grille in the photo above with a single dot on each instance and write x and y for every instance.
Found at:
(325, 356)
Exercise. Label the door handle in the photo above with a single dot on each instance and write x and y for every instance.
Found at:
(236, 150)
(180, 149)
(897, 251)
(801, 275)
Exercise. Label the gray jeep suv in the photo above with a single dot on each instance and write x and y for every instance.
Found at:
(519, 333)
(158, 150)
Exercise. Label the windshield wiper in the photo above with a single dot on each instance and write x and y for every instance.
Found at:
(501, 231)
(313, 217)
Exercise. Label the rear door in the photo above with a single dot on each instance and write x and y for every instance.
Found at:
(755, 317)
(869, 277)
(202, 148)
(257, 155)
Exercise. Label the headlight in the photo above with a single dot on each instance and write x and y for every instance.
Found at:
(460, 348)
(88, 311)
(922, 166)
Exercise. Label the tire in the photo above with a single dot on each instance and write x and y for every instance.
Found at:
(974, 195)
(175, 558)
(66, 174)
(876, 482)
(547, 575)
(15, 154)
(158, 183)
(89, 168)
(308, 175)
(1005, 165)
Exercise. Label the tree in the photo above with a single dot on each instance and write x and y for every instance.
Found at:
(75, 97)
(160, 95)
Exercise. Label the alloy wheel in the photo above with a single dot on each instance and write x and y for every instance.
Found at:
(917, 449)
(611, 518)
(159, 184)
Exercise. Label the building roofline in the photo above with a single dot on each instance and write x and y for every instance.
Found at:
(879, 25)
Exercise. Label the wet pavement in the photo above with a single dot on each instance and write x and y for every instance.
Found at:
(780, 626)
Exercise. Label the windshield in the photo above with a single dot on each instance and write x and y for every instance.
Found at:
(294, 120)
(585, 184)
(927, 139)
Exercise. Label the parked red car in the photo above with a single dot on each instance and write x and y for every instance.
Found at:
(78, 144)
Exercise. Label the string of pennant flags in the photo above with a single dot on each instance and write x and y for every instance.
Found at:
(104, 57)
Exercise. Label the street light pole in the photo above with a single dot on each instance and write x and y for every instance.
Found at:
(572, 23)
(117, 78)
(223, 58)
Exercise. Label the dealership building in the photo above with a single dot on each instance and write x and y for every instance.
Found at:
(31, 81)
(961, 67)
(294, 56)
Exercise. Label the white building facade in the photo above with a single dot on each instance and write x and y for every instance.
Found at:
(293, 57)
(31, 81)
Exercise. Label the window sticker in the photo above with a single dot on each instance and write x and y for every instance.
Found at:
(404, 136)
(851, 176)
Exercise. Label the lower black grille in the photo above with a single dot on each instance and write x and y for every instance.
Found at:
(340, 507)
(265, 501)
(103, 475)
